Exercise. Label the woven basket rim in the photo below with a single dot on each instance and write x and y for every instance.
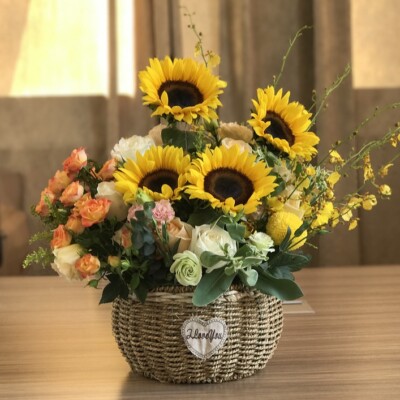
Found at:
(184, 294)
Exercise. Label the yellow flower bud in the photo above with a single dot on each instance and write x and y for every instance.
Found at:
(384, 170)
(369, 201)
(385, 190)
(353, 224)
(335, 157)
(114, 261)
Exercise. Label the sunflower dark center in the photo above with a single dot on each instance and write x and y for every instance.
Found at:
(278, 128)
(180, 93)
(155, 179)
(224, 182)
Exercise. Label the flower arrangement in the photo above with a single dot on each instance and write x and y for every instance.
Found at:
(203, 203)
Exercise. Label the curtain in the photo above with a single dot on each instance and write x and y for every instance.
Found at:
(98, 52)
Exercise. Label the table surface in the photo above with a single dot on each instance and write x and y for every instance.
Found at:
(56, 343)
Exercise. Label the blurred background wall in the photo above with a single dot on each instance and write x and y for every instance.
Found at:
(68, 79)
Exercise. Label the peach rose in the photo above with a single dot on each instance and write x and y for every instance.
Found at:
(178, 230)
(123, 237)
(94, 211)
(74, 224)
(59, 182)
(107, 170)
(61, 237)
(72, 193)
(75, 162)
(81, 203)
(87, 265)
(46, 197)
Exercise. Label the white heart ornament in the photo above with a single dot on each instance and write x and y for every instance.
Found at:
(204, 338)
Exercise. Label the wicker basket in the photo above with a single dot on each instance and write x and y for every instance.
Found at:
(149, 334)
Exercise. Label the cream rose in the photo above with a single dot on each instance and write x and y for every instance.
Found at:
(65, 259)
(118, 209)
(178, 230)
(187, 268)
(155, 134)
(213, 239)
(243, 146)
(127, 148)
(235, 131)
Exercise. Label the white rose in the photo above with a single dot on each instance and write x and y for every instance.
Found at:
(127, 148)
(205, 238)
(262, 242)
(243, 146)
(118, 209)
(65, 259)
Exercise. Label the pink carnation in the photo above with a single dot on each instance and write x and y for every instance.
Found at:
(163, 211)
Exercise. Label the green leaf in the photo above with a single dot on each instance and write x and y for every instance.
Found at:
(115, 288)
(93, 283)
(236, 231)
(135, 281)
(175, 137)
(203, 216)
(141, 292)
(294, 261)
(211, 286)
(284, 289)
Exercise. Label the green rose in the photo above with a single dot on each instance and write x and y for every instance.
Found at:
(187, 268)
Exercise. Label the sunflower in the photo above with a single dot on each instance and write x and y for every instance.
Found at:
(283, 124)
(229, 179)
(182, 88)
(159, 172)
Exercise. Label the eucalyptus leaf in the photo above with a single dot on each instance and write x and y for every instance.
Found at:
(248, 276)
(211, 286)
(209, 259)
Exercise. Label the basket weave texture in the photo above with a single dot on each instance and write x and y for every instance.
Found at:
(149, 334)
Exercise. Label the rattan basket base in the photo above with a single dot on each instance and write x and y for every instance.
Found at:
(149, 334)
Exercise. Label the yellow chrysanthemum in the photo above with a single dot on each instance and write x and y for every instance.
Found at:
(229, 179)
(277, 227)
(283, 124)
(182, 88)
(159, 172)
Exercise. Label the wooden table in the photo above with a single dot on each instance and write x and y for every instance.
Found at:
(56, 343)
